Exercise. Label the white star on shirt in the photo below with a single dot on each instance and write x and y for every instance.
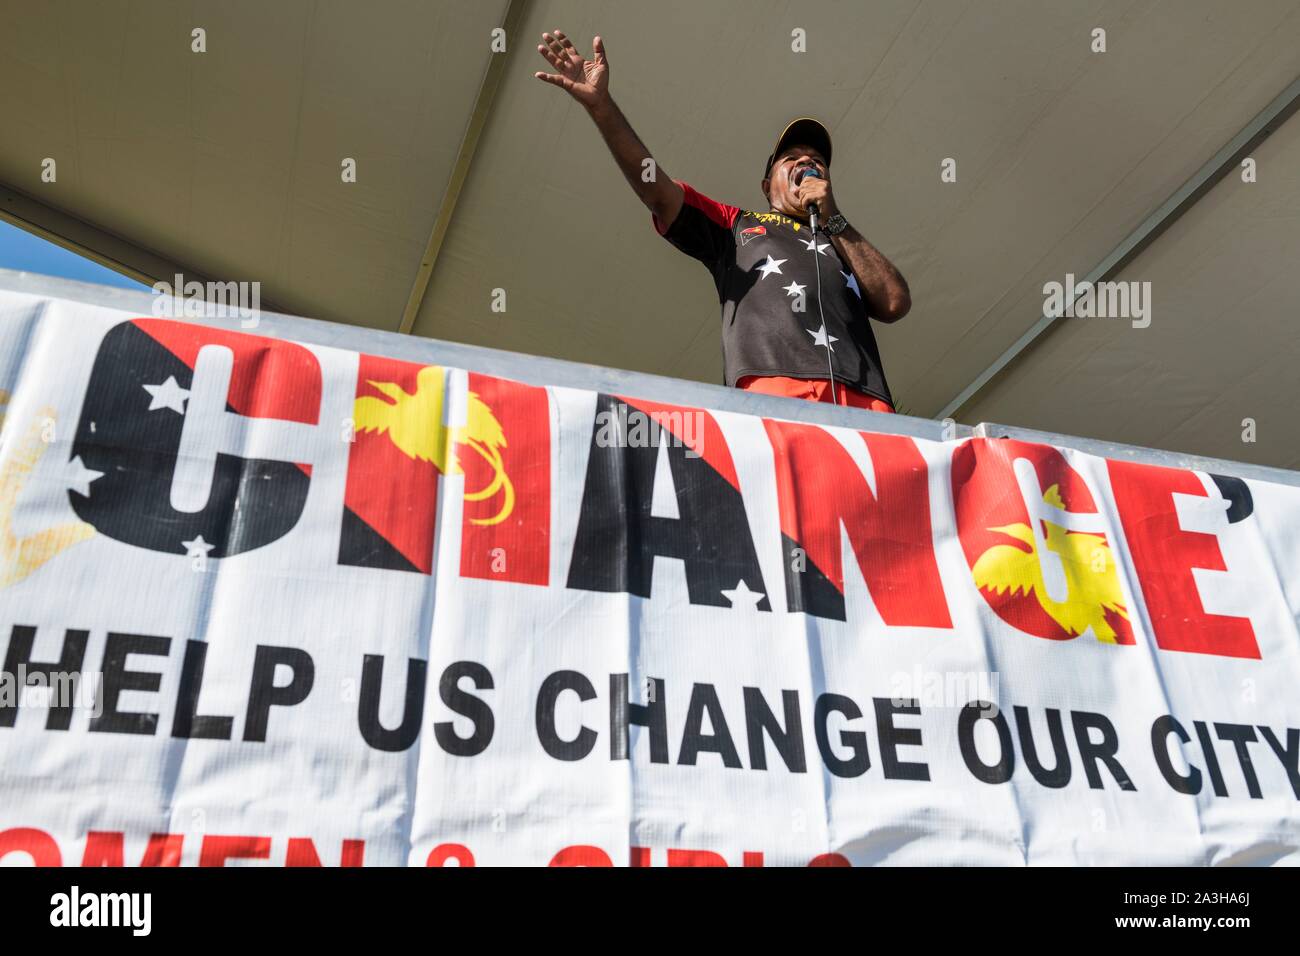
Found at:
(742, 596)
(794, 288)
(772, 265)
(78, 477)
(821, 247)
(198, 548)
(167, 395)
(851, 281)
(821, 338)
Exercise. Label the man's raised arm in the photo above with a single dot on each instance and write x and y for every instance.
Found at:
(587, 81)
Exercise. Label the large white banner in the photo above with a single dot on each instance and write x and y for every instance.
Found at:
(269, 603)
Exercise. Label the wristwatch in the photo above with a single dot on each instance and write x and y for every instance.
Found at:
(835, 225)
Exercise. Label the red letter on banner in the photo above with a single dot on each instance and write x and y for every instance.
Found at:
(506, 456)
(399, 442)
(37, 844)
(302, 852)
(171, 471)
(443, 852)
(818, 487)
(581, 855)
(217, 850)
(1164, 555)
(105, 848)
(401, 448)
(695, 858)
(1034, 540)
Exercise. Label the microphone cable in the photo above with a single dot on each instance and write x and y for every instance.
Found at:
(826, 332)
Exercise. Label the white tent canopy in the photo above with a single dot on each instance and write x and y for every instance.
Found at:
(226, 164)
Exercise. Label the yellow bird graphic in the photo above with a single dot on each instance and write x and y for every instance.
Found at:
(1089, 568)
(21, 557)
(413, 422)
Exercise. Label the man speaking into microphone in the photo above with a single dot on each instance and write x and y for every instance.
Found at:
(779, 335)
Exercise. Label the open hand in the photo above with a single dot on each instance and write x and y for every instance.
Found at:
(587, 81)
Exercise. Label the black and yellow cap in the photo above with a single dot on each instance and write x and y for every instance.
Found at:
(804, 130)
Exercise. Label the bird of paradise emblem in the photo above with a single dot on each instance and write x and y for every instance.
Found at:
(1071, 574)
(23, 555)
(414, 423)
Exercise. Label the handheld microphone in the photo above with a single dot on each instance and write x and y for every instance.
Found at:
(800, 176)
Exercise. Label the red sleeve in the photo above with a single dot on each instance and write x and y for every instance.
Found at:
(719, 213)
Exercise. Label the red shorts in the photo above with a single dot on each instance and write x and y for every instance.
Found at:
(812, 389)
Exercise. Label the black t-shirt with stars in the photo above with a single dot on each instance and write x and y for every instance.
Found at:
(762, 265)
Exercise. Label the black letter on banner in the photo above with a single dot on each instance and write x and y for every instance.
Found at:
(19, 655)
(1061, 771)
(187, 722)
(1235, 491)
(618, 538)
(1211, 758)
(1241, 735)
(855, 740)
(117, 679)
(554, 685)
(1160, 731)
(1289, 755)
(694, 741)
(623, 714)
(132, 435)
(467, 705)
(789, 742)
(891, 738)
(372, 681)
(1103, 750)
(265, 694)
(972, 714)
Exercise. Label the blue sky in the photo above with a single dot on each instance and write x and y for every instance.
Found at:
(22, 250)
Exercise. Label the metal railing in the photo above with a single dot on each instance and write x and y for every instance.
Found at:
(535, 370)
